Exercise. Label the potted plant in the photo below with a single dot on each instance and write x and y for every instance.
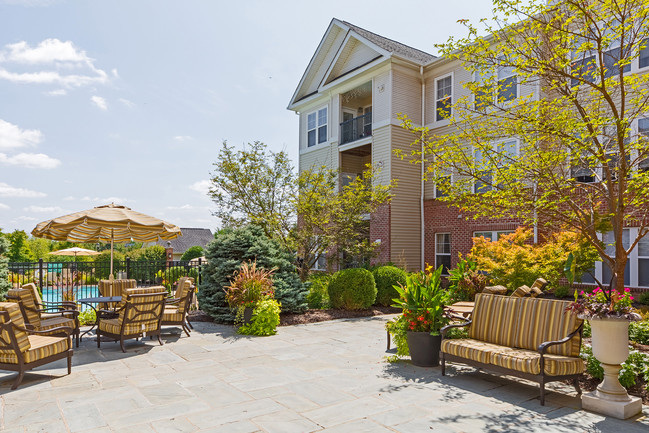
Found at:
(422, 300)
(248, 286)
(609, 314)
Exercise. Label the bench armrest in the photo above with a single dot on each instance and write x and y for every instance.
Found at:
(544, 346)
(454, 325)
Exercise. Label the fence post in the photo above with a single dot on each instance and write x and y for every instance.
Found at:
(128, 267)
(199, 270)
(40, 274)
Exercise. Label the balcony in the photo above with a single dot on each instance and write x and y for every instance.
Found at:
(356, 128)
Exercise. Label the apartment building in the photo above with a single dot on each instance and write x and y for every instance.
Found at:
(349, 101)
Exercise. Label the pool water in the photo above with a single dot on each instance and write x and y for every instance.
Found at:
(80, 292)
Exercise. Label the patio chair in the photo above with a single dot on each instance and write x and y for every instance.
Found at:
(45, 306)
(58, 313)
(116, 288)
(22, 349)
(141, 315)
(176, 308)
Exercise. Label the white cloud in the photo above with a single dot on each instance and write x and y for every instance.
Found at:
(4, 206)
(127, 103)
(12, 137)
(30, 160)
(99, 102)
(183, 138)
(69, 198)
(26, 218)
(53, 55)
(11, 191)
(57, 92)
(183, 207)
(107, 200)
(43, 209)
(202, 186)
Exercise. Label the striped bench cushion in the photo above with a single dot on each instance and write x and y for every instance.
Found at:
(474, 350)
(41, 347)
(495, 319)
(527, 361)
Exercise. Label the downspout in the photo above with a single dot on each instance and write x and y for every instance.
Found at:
(421, 200)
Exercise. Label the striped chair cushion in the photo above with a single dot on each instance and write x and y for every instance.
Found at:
(528, 361)
(171, 314)
(35, 294)
(114, 326)
(494, 319)
(184, 285)
(116, 288)
(41, 347)
(25, 295)
(543, 320)
(55, 322)
(16, 318)
(471, 349)
(147, 321)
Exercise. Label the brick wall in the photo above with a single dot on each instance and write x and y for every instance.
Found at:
(380, 229)
(440, 218)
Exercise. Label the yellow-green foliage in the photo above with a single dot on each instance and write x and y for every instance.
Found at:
(512, 261)
(265, 318)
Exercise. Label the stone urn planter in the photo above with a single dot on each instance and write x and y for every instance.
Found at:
(610, 340)
(424, 348)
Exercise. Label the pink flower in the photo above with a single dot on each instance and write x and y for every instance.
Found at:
(626, 289)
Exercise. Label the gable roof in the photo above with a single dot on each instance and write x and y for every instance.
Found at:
(190, 238)
(394, 47)
(326, 65)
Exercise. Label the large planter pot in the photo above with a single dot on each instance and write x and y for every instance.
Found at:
(424, 348)
(247, 316)
(610, 341)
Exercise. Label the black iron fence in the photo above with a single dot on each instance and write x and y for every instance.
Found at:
(356, 128)
(77, 280)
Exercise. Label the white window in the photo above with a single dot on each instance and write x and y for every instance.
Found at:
(443, 251)
(492, 235)
(316, 127)
(505, 152)
(643, 132)
(643, 262)
(507, 84)
(443, 97)
(442, 184)
(483, 94)
(643, 58)
(636, 272)
(609, 243)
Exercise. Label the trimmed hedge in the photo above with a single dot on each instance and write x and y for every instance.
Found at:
(352, 289)
(385, 278)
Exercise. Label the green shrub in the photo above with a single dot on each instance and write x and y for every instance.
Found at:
(644, 298)
(265, 318)
(465, 281)
(103, 271)
(385, 278)
(639, 331)
(352, 289)
(192, 253)
(563, 292)
(87, 317)
(232, 247)
(318, 296)
(637, 364)
(5, 285)
(398, 329)
(169, 276)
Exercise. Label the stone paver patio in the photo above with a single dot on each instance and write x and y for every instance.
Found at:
(329, 377)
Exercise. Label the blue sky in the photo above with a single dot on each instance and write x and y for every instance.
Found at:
(129, 101)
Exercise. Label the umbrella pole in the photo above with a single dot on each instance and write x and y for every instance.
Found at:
(112, 238)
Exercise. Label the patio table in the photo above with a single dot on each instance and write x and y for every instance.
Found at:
(97, 300)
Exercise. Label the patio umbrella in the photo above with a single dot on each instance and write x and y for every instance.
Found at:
(109, 223)
(75, 251)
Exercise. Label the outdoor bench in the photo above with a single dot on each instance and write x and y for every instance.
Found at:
(531, 338)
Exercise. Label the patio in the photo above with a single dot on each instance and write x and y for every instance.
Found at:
(328, 376)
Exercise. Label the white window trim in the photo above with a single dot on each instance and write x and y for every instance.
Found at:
(495, 234)
(317, 126)
(450, 175)
(493, 144)
(634, 263)
(437, 253)
(494, 91)
(437, 79)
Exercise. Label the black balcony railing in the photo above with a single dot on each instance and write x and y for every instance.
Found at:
(356, 128)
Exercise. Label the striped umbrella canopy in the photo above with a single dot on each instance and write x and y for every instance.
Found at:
(109, 223)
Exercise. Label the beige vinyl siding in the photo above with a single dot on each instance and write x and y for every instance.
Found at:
(316, 158)
(381, 156)
(405, 238)
(353, 163)
(352, 56)
(406, 94)
(381, 98)
(322, 62)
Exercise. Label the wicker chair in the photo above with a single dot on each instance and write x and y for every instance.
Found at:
(22, 349)
(58, 313)
(141, 315)
(176, 308)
